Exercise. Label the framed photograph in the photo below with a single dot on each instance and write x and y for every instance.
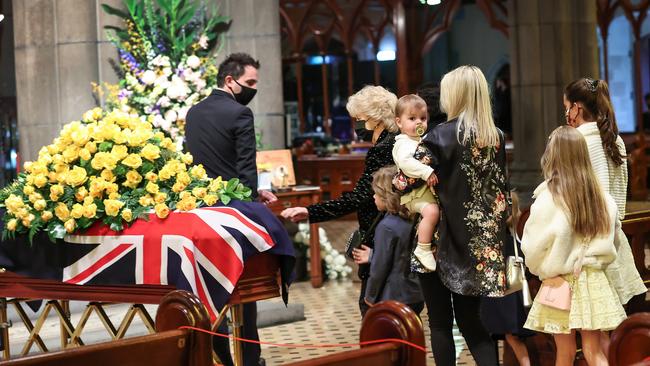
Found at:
(275, 167)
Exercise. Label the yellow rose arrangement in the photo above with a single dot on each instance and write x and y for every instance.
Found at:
(110, 166)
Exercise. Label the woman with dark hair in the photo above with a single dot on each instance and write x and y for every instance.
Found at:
(589, 109)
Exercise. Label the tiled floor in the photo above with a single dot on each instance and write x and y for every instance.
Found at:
(332, 315)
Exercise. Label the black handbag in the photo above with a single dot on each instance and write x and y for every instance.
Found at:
(359, 237)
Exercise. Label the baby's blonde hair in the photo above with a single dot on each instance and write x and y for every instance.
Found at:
(407, 102)
(374, 102)
(573, 183)
(464, 94)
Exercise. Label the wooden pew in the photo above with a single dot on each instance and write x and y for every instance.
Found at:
(334, 174)
(630, 342)
(169, 346)
(388, 319)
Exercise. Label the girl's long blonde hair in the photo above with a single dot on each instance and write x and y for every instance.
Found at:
(573, 183)
(464, 94)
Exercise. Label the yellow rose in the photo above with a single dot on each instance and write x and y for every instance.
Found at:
(198, 172)
(152, 188)
(187, 204)
(22, 212)
(165, 173)
(112, 207)
(70, 225)
(11, 225)
(61, 167)
(132, 161)
(91, 147)
(127, 215)
(52, 149)
(90, 210)
(162, 210)
(178, 187)
(76, 176)
(27, 220)
(13, 203)
(112, 188)
(215, 185)
(168, 144)
(160, 197)
(46, 216)
(88, 200)
(40, 205)
(103, 160)
(146, 201)
(61, 211)
(40, 180)
(159, 135)
(107, 175)
(113, 196)
(55, 192)
(150, 152)
(81, 193)
(85, 154)
(187, 158)
(183, 178)
(28, 190)
(120, 151)
(71, 153)
(80, 136)
(200, 192)
(210, 199)
(185, 195)
(28, 166)
(77, 211)
(151, 176)
(35, 197)
(132, 179)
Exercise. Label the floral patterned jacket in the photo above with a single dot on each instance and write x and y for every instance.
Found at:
(474, 200)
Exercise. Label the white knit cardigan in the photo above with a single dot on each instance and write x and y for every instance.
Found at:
(612, 177)
(550, 246)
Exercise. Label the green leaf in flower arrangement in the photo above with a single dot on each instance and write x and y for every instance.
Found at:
(146, 167)
(224, 198)
(105, 146)
(113, 11)
(55, 231)
(232, 184)
(34, 228)
(119, 32)
(117, 226)
(120, 170)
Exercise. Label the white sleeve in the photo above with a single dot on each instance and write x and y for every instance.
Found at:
(538, 236)
(403, 157)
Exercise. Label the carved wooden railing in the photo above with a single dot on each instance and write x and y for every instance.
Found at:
(169, 346)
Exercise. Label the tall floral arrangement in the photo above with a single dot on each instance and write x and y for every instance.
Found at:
(111, 167)
(166, 59)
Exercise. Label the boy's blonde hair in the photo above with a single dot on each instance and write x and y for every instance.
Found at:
(409, 101)
(382, 184)
(573, 183)
(464, 94)
(376, 103)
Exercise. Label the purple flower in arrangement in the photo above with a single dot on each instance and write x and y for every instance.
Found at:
(128, 59)
(124, 93)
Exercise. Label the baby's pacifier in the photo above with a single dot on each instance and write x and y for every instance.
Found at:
(420, 129)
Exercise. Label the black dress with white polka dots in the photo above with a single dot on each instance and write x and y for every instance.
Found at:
(360, 200)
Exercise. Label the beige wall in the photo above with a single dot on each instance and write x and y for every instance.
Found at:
(61, 47)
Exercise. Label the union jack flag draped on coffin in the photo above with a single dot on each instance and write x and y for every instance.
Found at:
(202, 251)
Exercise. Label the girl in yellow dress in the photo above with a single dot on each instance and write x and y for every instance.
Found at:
(569, 236)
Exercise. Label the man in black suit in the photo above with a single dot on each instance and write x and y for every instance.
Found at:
(220, 134)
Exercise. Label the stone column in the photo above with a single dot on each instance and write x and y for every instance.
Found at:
(255, 30)
(59, 50)
(552, 42)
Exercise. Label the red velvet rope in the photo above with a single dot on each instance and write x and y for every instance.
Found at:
(321, 345)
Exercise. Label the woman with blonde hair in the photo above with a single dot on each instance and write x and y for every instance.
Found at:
(468, 156)
(568, 241)
(373, 107)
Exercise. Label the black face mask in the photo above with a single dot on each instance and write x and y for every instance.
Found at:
(362, 133)
(245, 95)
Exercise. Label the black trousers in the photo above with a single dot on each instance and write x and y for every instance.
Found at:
(251, 351)
(466, 309)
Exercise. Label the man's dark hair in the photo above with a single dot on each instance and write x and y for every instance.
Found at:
(234, 66)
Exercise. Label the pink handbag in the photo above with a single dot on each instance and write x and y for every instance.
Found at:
(555, 297)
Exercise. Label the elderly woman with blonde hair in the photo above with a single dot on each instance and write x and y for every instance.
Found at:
(373, 107)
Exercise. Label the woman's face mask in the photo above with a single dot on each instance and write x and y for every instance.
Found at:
(362, 133)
